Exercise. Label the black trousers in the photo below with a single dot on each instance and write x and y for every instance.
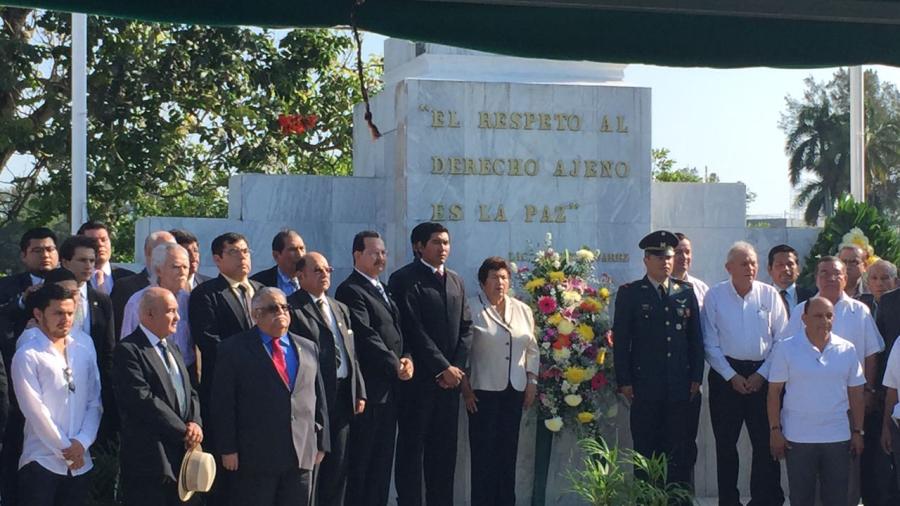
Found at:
(13, 439)
(372, 437)
(494, 446)
(728, 412)
(660, 427)
(288, 487)
(330, 477)
(40, 487)
(693, 428)
(877, 485)
(142, 490)
(427, 422)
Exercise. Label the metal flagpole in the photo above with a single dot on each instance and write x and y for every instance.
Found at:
(79, 121)
(857, 136)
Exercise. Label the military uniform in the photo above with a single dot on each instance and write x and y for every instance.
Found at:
(659, 353)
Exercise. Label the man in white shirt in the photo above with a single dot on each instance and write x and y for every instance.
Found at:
(784, 271)
(741, 319)
(682, 264)
(890, 431)
(853, 322)
(169, 267)
(823, 378)
(854, 259)
(58, 387)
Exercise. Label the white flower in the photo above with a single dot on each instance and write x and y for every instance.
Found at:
(561, 355)
(514, 268)
(572, 400)
(548, 239)
(556, 264)
(545, 345)
(554, 424)
(585, 255)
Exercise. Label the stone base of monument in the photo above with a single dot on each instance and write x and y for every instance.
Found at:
(502, 151)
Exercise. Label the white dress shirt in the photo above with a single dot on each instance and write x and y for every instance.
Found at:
(54, 413)
(86, 308)
(375, 283)
(343, 371)
(743, 328)
(131, 318)
(34, 332)
(107, 279)
(852, 321)
(815, 399)
(892, 378)
(700, 288)
(504, 348)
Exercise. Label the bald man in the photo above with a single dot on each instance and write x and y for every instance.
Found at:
(159, 409)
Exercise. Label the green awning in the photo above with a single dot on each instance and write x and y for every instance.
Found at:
(575, 31)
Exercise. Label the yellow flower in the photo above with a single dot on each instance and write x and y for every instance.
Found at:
(561, 355)
(557, 276)
(572, 400)
(585, 332)
(554, 424)
(554, 319)
(585, 255)
(565, 327)
(601, 356)
(585, 417)
(603, 293)
(534, 284)
(571, 297)
(576, 375)
(591, 305)
(856, 237)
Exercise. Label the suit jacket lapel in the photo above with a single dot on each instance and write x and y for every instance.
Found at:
(493, 314)
(257, 349)
(236, 307)
(160, 369)
(302, 368)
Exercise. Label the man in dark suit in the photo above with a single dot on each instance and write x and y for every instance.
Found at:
(188, 241)
(105, 277)
(437, 327)
(784, 270)
(375, 320)
(94, 316)
(326, 321)
(39, 256)
(269, 408)
(219, 309)
(160, 411)
(287, 249)
(127, 286)
(659, 356)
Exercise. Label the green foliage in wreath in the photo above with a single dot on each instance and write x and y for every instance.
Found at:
(849, 214)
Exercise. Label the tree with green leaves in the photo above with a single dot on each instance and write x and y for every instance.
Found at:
(818, 143)
(173, 112)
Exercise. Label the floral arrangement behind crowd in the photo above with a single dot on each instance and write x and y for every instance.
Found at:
(571, 314)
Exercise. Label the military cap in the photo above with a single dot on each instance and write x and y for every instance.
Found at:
(660, 242)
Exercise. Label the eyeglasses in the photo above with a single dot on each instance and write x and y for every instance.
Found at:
(70, 380)
(275, 308)
(239, 252)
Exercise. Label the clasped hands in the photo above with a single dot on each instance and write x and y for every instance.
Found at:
(405, 371)
(749, 385)
(450, 377)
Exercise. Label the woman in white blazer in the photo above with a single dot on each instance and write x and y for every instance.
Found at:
(500, 382)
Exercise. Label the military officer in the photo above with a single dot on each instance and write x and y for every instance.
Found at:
(659, 356)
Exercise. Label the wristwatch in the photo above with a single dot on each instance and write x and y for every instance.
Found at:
(859, 431)
(532, 381)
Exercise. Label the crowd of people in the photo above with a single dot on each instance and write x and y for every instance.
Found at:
(304, 395)
(810, 373)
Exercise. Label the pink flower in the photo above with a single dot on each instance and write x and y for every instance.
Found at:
(546, 304)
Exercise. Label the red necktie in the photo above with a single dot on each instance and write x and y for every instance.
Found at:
(279, 363)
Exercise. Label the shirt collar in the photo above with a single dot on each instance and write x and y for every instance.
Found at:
(234, 284)
(266, 338)
(433, 268)
(284, 277)
(106, 268)
(48, 342)
(375, 282)
(665, 284)
(153, 338)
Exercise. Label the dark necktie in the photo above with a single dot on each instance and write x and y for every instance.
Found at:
(177, 385)
(439, 275)
(382, 292)
(242, 297)
(279, 362)
(327, 319)
(662, 292)
(787, 305)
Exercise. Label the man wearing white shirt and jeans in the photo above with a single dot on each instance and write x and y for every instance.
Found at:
(58, 386)
(741, 319)
(823, 378)
(853, 322)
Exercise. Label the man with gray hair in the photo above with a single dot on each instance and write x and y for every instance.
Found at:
(125, 287)
(741, 319)
(169, 265)
(268, 407)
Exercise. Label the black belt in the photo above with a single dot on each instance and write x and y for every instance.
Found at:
(744, 367)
